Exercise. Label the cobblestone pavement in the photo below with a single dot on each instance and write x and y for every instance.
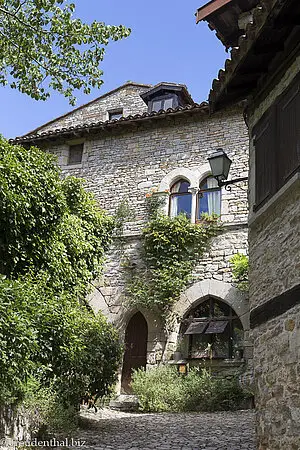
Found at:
(111, 430)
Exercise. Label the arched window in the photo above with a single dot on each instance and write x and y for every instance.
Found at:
(180, 199)
(209, 197)
(213, 330)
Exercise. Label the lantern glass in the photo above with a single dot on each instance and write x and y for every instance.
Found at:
(182, 369)
(219, 164)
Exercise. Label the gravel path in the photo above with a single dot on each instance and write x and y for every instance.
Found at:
(112, 430)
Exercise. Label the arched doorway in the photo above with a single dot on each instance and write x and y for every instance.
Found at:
(135, 355)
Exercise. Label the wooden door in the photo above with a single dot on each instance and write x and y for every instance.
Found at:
(135, 355)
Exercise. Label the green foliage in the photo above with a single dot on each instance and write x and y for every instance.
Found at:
(162, 389)
(123, 213)
(240, 270)
(46, 413)
(53, 237)
(55, 339)
(158, 389)
(171, 249)
(48, 224)
(43, 47)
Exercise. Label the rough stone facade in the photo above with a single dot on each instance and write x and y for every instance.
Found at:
(128, 163)
(275, 268)
(277, 372)
(125, 97)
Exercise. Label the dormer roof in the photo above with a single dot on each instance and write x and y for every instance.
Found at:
(164, 88)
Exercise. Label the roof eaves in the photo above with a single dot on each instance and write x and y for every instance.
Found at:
(128, 83)
(238, 54)
(202, 107)
(206, 10)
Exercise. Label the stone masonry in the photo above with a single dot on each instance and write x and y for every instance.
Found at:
(132, 160)
(275, 268)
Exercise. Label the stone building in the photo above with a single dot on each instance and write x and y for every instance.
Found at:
(138, 139)
(264, 69)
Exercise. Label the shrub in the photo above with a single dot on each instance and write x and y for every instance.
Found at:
(53, 237)
(162, 389)
(158, 389)
(46, 413)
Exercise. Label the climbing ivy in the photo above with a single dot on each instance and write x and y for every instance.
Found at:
(240, 269)
(171, 248)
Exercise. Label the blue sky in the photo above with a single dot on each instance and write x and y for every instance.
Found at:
(165, 45)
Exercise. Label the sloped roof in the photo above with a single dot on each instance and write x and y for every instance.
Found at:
(128, 83)
(180, 88)
(259, 53)
(223, 17)
(81, 130)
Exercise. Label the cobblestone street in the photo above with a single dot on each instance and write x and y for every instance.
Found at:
(110, 430)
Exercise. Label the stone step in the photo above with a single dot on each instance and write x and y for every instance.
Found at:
(125, 402)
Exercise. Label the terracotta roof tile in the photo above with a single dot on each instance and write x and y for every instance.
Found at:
(245, 43)
(95, 126)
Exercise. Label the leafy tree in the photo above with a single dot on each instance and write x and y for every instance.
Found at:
(52, 233)
(42, 47)
(53, 236)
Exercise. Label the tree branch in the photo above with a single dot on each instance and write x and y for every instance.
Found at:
(9, 13)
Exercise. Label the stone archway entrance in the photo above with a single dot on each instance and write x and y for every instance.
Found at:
(135, 355)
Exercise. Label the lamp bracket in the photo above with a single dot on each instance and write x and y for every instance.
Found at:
(227, 184)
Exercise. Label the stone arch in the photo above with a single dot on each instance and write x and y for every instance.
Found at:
(176, 174)
(225, 292)
(135, 350)
(156, 333)
(204, 172)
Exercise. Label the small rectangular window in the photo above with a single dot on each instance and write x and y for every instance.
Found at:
(168, 103)
(115, 115)
(156, 105)
(75, 154)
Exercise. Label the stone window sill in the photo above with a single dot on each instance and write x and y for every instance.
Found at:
(279, 196)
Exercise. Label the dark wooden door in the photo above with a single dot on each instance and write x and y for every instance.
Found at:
(135, 355)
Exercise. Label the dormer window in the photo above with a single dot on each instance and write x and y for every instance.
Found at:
(163, 103)
(116, 114)
(166, 96)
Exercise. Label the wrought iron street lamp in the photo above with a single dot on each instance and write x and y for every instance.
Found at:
(220, 165)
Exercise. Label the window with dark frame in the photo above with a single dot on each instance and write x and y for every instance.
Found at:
(75, 154)
(213, 330)
(209, 198)
(277, 144)
(163, 103)
(180, 199)
(115, 115)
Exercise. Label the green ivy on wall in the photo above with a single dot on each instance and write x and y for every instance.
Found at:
(240, 269)
(171, 249)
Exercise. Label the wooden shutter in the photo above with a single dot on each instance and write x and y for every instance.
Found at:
(288, 119)
(75, 154)
(264, 141)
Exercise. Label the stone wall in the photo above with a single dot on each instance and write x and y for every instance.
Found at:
(274, 252)
(275, 248)
(126, 97)
(277, 374)
(131, 161)
(15, 426)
